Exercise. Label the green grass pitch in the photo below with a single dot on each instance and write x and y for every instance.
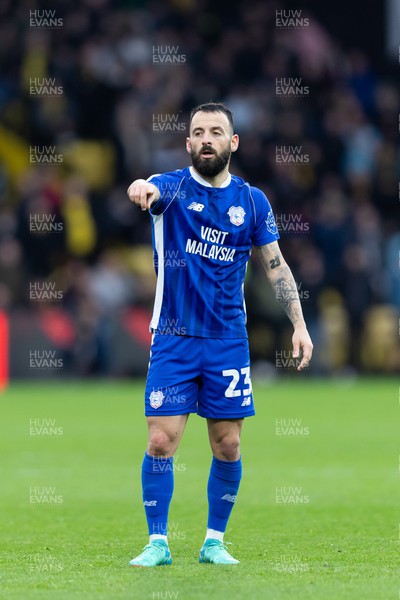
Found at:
(317, 514)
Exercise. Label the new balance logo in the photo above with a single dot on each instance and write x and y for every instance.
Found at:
(150, 503)
(246, 402)
(229, 498)
(196, 206)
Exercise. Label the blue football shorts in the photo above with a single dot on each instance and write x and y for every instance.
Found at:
(210, 377)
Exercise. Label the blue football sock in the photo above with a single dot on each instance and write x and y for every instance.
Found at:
(157, 488)
(222, 489)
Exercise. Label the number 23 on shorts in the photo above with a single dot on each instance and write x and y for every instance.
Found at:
(232, 391)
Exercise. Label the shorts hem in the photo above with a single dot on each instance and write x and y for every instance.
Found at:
(156, 413)
(225, 417)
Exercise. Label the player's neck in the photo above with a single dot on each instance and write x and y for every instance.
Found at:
(216, 181)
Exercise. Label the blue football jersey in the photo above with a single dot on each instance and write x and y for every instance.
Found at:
(202, 240)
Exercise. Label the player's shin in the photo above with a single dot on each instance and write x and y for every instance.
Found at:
(157, 489)
(223, 486)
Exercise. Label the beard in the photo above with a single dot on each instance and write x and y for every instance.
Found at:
(210, 167)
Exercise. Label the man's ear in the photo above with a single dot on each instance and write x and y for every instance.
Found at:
(188, 146)
(234, 142)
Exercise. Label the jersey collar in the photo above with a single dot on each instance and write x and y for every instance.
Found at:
(202, 181)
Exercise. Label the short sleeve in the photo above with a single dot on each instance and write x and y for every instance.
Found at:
(159, 206)
(265, 229)
(168, 185)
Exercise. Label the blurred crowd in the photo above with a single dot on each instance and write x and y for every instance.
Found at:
(97, 93)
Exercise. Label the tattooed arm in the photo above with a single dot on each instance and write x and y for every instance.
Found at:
(280, 277)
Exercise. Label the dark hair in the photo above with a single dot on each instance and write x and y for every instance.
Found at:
(211, 107)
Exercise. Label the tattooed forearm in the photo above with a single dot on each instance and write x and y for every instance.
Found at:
(287, 294)
(282, 281)
(275, 262)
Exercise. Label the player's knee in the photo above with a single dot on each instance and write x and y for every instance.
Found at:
(160, 444)
(229, 447)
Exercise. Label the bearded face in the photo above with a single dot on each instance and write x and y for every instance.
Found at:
(208, 162)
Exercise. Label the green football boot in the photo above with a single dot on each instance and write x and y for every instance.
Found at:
(155, 554)
(215, 552)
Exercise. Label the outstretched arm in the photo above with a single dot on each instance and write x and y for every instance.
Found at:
(143, 193)
(280, 277)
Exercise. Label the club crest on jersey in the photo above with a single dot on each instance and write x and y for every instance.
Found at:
(236, 215)
(156, 399)
(270, 222)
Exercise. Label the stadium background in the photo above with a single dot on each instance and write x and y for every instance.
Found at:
(91, 96)
(102, 98)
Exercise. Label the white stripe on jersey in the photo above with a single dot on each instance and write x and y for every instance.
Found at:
(244, 299)
(159, 244)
